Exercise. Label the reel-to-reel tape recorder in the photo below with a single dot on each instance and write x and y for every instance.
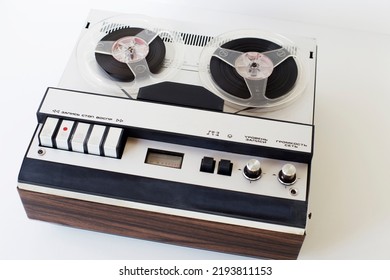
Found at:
(158, 132)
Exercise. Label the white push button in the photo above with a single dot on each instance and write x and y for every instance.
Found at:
(112, 143)
(79, 136)
(95, 140)
(63, 135)
(47, 132)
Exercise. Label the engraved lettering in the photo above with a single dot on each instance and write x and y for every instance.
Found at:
(290, 144)
(103, 118)
(70, 113)
(213, 133)
(88, 116)
(256, 139)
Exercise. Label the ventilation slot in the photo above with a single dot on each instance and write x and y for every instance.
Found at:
(111, 27)
(166, 35)
(195, 40)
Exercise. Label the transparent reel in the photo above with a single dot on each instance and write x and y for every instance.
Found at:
(253, 69)
(129, 50)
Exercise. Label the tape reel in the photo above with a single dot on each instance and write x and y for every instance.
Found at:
(130, 53)
(124, 53)
(253, 70)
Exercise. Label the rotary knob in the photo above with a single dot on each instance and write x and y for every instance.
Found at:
(252, 170)
(288, 174)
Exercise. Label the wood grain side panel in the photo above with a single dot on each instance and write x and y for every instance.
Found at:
(161, 227)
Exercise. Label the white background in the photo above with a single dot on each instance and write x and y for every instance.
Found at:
(350, 189)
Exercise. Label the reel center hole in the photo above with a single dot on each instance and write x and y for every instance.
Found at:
(130, 49)
(254, 66)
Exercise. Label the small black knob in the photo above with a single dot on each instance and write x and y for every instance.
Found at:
(252, 170)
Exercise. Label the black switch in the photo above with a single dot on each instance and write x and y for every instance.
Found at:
(225, 167)
(207, 165)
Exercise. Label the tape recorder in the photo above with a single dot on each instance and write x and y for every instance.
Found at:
(163, 131)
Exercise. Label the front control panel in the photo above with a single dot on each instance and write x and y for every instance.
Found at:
(107, 148)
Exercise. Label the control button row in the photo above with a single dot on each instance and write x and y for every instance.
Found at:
(82, 137)
(225, 166)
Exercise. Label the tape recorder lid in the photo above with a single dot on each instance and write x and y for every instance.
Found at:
(294, 86)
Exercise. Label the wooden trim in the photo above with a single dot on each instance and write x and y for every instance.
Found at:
(159, 227)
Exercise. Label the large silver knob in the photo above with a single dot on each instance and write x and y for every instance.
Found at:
(288, 174)
(252, 170)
